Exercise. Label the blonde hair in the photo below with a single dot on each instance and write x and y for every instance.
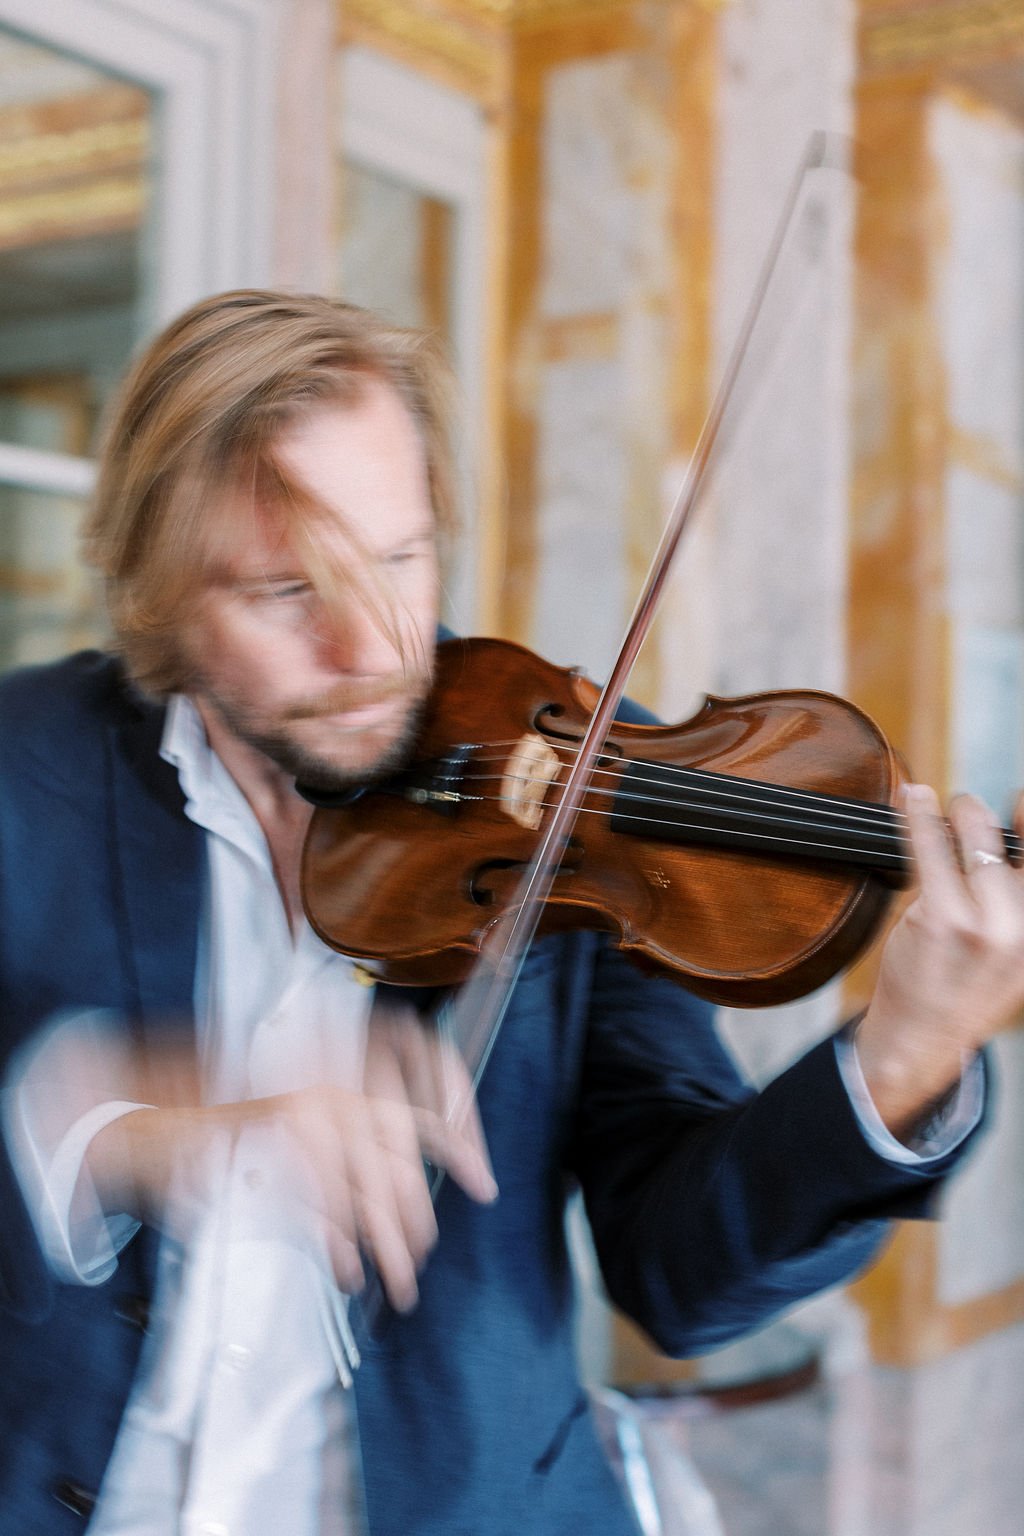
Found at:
(203, 407)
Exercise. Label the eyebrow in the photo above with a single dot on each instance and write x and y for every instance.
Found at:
(271, 574)
(239, 580)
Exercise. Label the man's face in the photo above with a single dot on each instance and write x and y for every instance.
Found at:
(329, 692)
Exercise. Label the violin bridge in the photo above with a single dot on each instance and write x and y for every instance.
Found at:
(532, 767)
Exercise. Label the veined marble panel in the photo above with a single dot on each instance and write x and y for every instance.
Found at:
(874, 1451)
(786, 72)
(980, 161)
(988, 713)
(603, 408)
(944, 1441)
(380, 260)
(985, 547)
(581, 491)
(979, 158)
(779, 498)
(981, 1235)
(591, 221)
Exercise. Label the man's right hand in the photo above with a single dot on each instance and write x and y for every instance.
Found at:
(356, 1159)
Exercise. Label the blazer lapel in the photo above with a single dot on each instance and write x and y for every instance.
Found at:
(159, 861)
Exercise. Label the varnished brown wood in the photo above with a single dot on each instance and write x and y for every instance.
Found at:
(399, 885)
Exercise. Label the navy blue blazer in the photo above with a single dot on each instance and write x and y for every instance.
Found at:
(711, 1207)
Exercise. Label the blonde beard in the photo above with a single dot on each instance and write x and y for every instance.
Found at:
(319, 770)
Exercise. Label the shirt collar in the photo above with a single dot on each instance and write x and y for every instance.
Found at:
(212, 798)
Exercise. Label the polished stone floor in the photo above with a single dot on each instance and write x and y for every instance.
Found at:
(864, 1452)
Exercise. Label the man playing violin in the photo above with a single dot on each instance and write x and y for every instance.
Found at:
(184, 1059)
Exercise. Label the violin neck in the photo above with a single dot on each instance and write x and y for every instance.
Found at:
(696, 808)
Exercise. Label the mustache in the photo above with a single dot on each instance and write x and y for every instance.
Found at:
(360, 695)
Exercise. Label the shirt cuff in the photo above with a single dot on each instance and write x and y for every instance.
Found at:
(80, 1240)
(940, 1134)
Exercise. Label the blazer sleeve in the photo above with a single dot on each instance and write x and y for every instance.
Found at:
(26, 1284)
(714, 1207)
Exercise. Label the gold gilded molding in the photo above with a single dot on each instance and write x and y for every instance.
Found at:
(470, 57)
(943, 32)
(467, 37)
(39, 215)
(78, 150)
(512, 12)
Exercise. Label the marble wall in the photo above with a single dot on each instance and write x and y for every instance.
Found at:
(775, 599)
(602, 415)
(875, 1452)
(979, 161)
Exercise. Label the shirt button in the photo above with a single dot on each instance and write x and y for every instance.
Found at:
(239, 1358)
(253, 1178)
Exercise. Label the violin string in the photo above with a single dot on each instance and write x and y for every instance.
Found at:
(845, 812)
(839, 827)
(801, 844)
(625, 789)
(804, 844)
(698, 777)
(894, 858)
(792, 825)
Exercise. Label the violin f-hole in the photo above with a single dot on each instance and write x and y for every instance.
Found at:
(484, 895)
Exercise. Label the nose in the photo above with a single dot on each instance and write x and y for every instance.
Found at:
(357, 636)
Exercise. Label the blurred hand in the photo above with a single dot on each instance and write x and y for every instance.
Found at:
(365, 1152)
(952, 972)
(355, 1158)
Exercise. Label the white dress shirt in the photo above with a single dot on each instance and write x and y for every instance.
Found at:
(239, 1424)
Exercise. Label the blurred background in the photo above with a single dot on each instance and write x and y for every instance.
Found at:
(578, 195)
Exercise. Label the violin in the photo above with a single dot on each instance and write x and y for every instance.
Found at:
(750, 852)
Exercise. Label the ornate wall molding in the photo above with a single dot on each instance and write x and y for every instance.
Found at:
(467, 39)
(939, 32)
(43, 156)
(517, 12)
(74, 166)
(419, 34)
(107, 204)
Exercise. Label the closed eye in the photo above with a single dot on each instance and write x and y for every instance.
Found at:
(416, 549)
(289, 589)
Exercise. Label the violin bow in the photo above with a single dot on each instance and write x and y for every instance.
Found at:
(472, 1017)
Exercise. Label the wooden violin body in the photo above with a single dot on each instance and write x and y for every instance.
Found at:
(682, 850)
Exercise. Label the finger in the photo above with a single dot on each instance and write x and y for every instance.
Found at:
(312, 1121)
(450, 1148)
(366, 1176)
(939, 876)
(997, 888)
(434, 1080)
(994, 886)
(398, 1175)
(343, 1256)
(460, 1104)
(1018, 815)
(394, 1211)
(423, 1066)
(980, 842)
(383, 1071)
